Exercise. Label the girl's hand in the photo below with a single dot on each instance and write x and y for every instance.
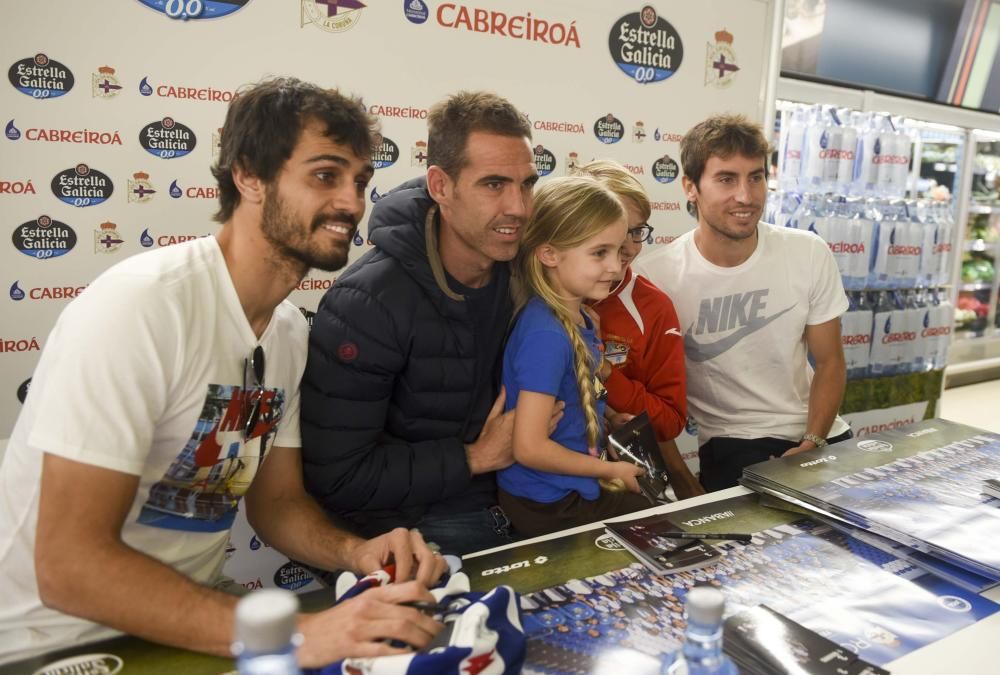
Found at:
(626, 473)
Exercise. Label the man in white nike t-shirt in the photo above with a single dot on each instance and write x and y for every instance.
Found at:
(753, 299)
(167, 398)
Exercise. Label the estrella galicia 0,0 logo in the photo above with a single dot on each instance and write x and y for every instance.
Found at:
(40, 77)
(82, 186)
(646, 47)
(43, 238)
(167, 138)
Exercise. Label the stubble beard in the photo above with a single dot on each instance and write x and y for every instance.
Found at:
(292, 243)
(731, 234)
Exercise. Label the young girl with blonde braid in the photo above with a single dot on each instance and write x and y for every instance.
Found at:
(569, 253)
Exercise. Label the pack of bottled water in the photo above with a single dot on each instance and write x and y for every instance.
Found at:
(843, 176)
(826, 149)
(877, 242)
(891, 332)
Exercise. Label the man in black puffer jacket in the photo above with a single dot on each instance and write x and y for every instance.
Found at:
(401, 403)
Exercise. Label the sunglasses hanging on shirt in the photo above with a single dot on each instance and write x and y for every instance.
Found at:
(253, 401)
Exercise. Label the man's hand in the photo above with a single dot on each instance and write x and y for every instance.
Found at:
(362, 626)
(801, 447)
(405, 549)
(685, 484)
(494, 449)
(681, 479)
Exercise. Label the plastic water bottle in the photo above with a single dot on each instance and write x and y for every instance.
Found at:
(856, 334)
(916, 308)
(848, 150)
(702, 651)
(946, 319)
(899, 163)
(862, 229)
(876, 259)
(812, 215)
(772, 207)
(793, 133)
(931, 251)
(882, 327)
(265, 632)
(830, 224)
(885, 224)
(869, 159)
(815, 157)
(893, 160)
(934, 329)
(897, 254)
(790, 210)
(834, 146)
(943, 245)
(901, 338)
(940, 315)
(821, 155)
(909, 250)
(849, 235)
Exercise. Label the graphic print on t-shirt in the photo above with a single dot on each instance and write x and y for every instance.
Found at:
(203, 486)
(743, 311)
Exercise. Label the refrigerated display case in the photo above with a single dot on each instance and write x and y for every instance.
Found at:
(977, 277)
(977, 320)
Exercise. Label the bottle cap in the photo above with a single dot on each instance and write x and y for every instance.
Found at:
(705, 605)
(265, 620)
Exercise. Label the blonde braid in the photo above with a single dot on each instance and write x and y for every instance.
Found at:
(583, 362)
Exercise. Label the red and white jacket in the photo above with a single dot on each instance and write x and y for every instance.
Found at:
(644, 343)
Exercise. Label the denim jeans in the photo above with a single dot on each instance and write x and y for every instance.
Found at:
(467, 532)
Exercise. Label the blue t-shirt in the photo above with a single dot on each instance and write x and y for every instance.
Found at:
(539, 358)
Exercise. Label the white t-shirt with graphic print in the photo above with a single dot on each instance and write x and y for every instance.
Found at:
(143, 374)
(744, 329)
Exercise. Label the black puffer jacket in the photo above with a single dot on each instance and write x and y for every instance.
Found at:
(389, 395)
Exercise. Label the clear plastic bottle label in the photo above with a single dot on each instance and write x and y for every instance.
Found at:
(817, 142)
(845, 162)
(871, 151)
(792, 155)
(856, 327)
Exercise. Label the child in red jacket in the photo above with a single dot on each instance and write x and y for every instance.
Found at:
(643, 364)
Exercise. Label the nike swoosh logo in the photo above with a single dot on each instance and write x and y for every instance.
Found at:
(673, 331)
(701, 351)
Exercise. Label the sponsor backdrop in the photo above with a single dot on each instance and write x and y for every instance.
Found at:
(112, 118)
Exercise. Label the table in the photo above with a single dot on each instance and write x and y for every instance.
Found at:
(970, 651)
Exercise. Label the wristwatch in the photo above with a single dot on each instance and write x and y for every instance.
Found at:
(818, 441)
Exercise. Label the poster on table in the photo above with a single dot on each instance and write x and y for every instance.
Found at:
(583, 594)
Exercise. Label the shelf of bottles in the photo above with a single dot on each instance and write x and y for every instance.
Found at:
(977, 314)
(850, 178)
